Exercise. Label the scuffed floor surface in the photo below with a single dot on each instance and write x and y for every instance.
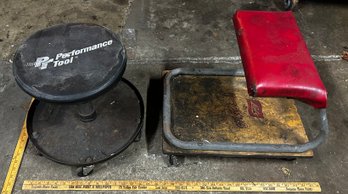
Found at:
(21, 18)
(161, 35)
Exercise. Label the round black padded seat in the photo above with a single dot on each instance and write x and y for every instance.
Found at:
(84, 112)
(69, 62)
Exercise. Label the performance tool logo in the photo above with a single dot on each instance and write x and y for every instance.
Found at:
(66, 58)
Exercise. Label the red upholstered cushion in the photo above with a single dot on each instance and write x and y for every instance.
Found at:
(275, 57)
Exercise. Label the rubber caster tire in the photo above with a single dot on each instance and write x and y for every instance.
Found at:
(289, 159)
(37, 152)
(290, 4)
(175, 160)
(85, 170)
(138, 137)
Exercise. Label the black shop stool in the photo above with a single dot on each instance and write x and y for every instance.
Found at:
(79, 116)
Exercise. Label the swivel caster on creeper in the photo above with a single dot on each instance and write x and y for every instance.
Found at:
(289, 159)
(290, 4)
(84, 112)
(175, 160)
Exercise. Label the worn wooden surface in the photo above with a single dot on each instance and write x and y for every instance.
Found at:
(219, 109)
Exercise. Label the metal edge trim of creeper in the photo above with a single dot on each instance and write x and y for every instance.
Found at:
(225, 146)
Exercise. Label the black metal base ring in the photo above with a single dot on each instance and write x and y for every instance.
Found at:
(57, 131)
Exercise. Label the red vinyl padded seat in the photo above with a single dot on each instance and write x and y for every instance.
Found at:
(275, 57)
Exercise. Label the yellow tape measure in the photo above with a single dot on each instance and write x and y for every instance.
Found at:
(141, 185)
(16, 161)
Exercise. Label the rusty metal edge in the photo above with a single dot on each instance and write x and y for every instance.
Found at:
(229, 146)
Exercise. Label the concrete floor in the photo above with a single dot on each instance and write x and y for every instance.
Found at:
(162, 35)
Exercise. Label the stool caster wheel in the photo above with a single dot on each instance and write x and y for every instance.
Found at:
(138, 137)
(84, 112)
(84, 171)
(175, 160)
(38, 153)
(290, 4)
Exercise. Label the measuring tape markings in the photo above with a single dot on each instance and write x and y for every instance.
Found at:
(142, 184)
(15, 162)
(127, 185)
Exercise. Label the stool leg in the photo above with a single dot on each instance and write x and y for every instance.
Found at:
(87, 112)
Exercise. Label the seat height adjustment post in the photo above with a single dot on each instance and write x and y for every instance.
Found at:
(87, 112)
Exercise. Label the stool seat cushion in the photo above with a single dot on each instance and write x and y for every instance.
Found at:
(275, 57)
(69, 62)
